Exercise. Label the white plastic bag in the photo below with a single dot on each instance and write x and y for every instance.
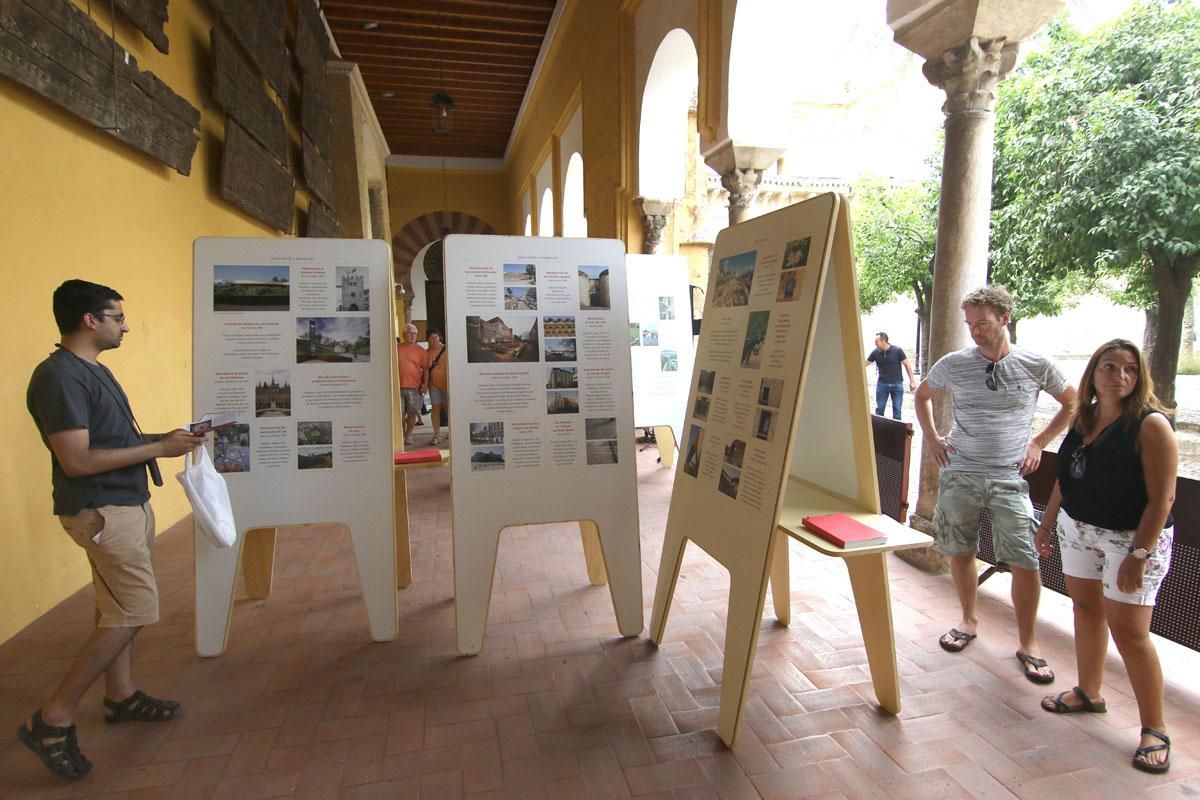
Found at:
(209, 496)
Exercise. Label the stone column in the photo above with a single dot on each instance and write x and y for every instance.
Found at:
(968, 47)
(741, 170)
(969, 75)
(655, 214)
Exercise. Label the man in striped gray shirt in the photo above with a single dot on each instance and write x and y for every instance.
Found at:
(994, 387)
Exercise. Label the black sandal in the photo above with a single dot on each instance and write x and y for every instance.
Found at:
(1140, 754)
(1055, 704)
(141, 707)
(61, 757)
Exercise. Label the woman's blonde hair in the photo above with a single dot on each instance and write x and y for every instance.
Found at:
(1142, 398)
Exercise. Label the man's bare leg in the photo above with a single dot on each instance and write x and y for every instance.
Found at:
(966, 585)
(103, 648)
(1026, 591)
(118, 678)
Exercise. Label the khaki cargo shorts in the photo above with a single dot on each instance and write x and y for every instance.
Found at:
(962, 497)
(119, 542)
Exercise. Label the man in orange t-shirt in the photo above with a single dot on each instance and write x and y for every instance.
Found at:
(439, 391)
(411, 362)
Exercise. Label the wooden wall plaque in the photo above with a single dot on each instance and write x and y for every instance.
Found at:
(239, 89)
(253, 181)
(321, 223)
(310, 14)
(318, 175)
(54, 48)
(315, 117)
(149, 17)
(260, 27)
(308, 46)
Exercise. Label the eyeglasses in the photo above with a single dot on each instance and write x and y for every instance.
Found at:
(991, 376)
(1079, 462)
(117, 318)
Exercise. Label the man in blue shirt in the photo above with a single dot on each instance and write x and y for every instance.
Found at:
(888, 359)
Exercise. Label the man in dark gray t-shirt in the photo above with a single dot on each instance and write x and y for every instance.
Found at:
(98, 463)
(994, 388)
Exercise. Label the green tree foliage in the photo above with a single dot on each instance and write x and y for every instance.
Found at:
(1098, 165)
(895, 230)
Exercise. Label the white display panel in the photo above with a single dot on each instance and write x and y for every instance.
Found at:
(660, 340)
(295, 337)
(541, 407)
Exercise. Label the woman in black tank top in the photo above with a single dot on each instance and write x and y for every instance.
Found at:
(1116, 483)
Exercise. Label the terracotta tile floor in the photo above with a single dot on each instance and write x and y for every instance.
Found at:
(558, 706)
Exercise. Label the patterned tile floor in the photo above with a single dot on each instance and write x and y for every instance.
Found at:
(558, 706)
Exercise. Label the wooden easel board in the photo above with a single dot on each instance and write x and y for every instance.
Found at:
(780, 326)
(660, 342)
(541, 410)
(295, 337)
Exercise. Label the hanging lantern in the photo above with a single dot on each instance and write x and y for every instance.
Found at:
(442, 107)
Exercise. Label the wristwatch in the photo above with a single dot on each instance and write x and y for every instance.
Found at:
(1140, 553)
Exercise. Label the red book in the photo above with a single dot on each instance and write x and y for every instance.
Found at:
(844, 531)
(418, 456)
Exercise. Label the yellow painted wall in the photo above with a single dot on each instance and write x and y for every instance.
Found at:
(585, 54)
(75, 202)
(414, 192)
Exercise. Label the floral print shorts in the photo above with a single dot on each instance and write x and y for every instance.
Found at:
(1095, 553)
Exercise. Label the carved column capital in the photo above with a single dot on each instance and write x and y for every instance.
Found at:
(742, 185)
(655, 214)
(968, 74)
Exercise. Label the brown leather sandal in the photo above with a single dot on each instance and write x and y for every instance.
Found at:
(141, 707)
(62, 757)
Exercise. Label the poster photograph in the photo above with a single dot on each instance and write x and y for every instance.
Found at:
(734, 277)
(635, 334)
(560, 349)
(353, 293)
(695, 445)
(273, 393)
(231, 448)
(486, 432)
(520, 275)
(505, 338)
(594, 292)
(560, 401)
(562, 377)
(520, 298)
(560, 326)
(487, 458)
(315, 457)
(756, 335)
(795, 253)
(333, 340)
(251, 288)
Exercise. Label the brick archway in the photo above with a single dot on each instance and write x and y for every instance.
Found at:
(425, 229)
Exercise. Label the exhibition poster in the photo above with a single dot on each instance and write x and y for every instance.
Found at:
(660, 340)
(541, 406)
(294, 338)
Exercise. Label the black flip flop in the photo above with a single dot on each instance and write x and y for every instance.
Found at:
(1031, 665)
(957, 642)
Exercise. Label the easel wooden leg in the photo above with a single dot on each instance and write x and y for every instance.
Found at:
(403, 551)
(781, 578)
(592, 552)
(474, 569)
(258, 561)
(666, 444)
(216, 578)
(668, 574)
(869, 579)
(747, 594)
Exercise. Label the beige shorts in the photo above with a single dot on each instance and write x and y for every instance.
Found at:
(119, 541)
